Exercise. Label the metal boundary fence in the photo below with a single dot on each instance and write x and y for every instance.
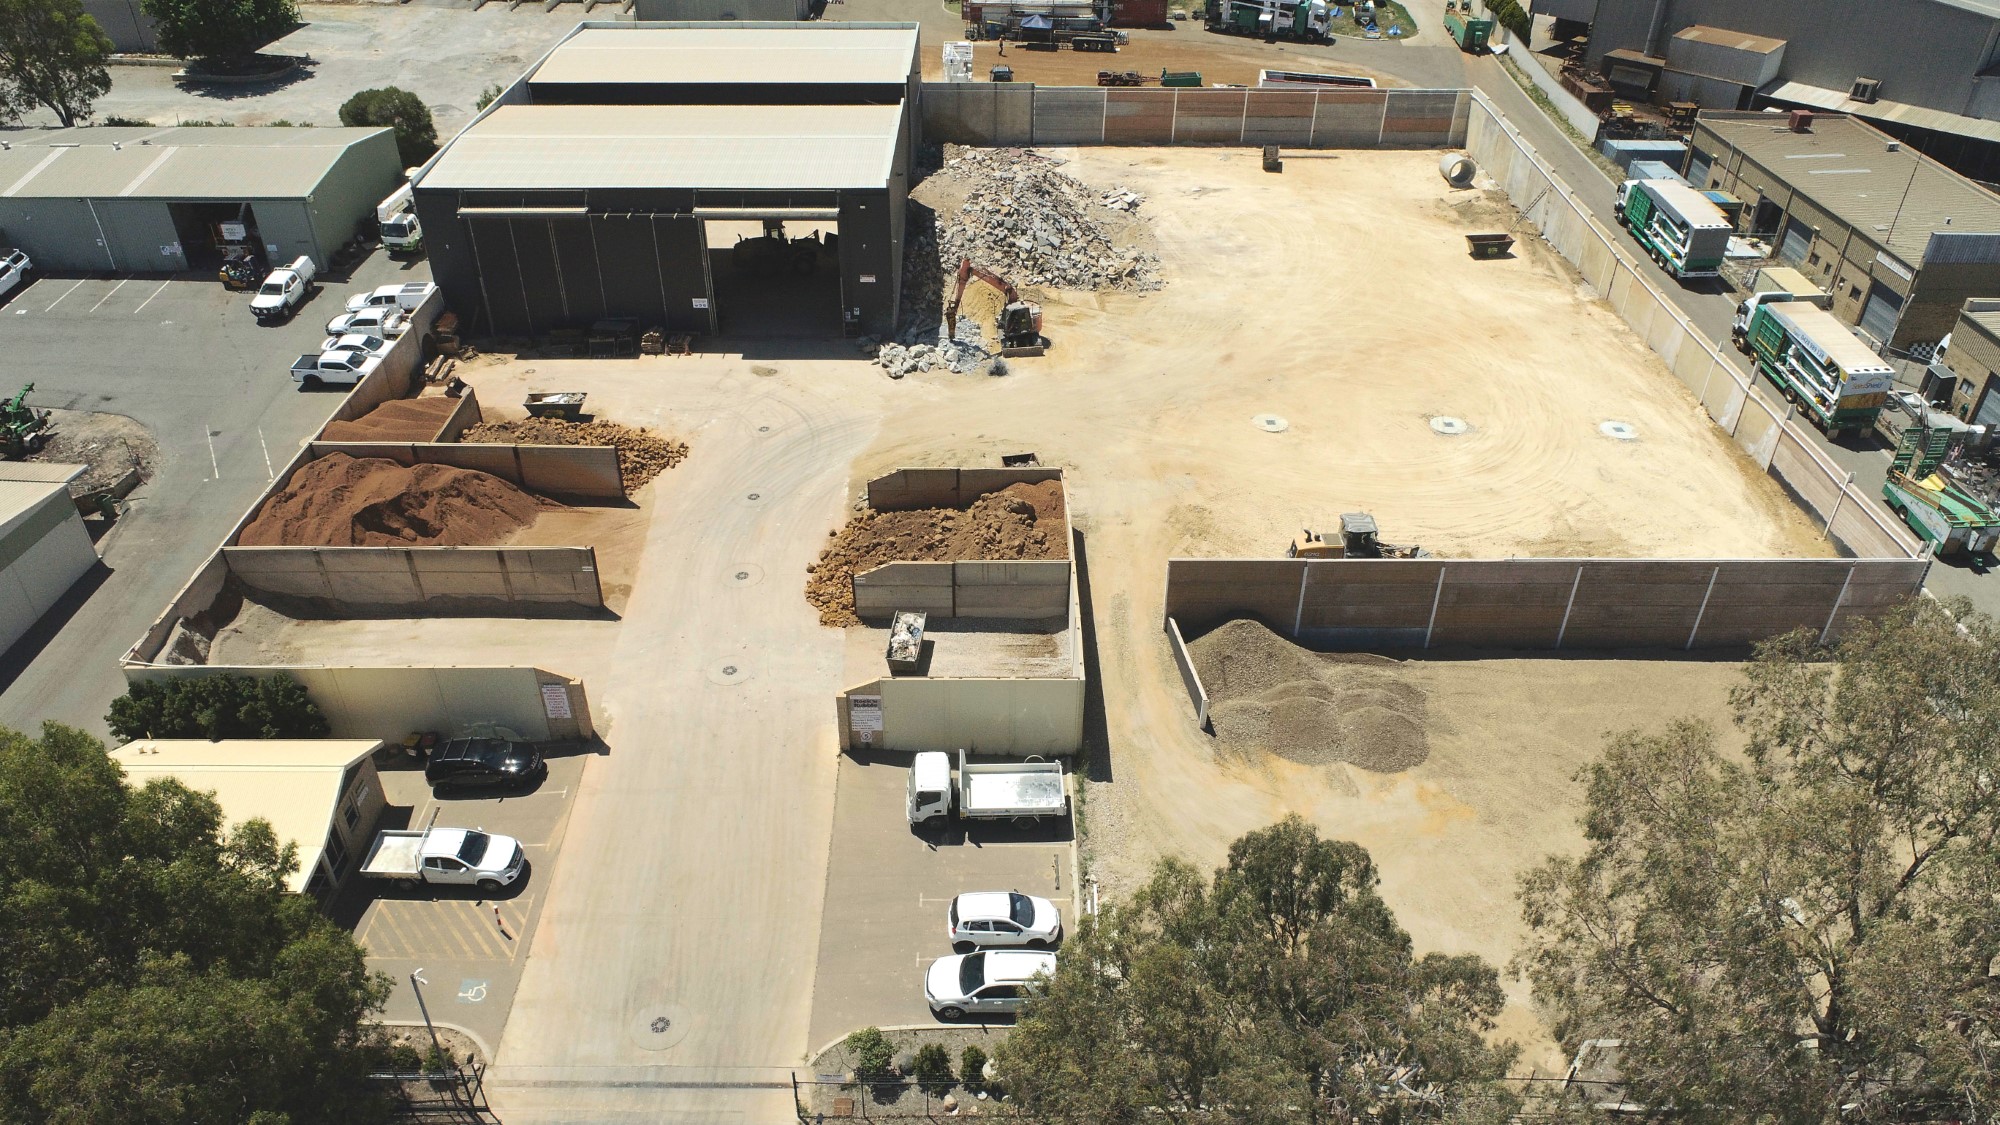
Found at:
(1771, 439)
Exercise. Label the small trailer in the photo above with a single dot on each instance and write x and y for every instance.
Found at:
(1024, 790)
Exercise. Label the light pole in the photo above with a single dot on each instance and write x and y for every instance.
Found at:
(416, 985)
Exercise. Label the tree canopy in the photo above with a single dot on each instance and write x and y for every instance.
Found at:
(156, 968)
(1281, 989)
(219, 29)
(52, 57)
(225, 706)
(1807, 932)
(416, 135)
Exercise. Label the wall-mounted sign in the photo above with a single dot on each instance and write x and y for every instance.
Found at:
(867, 279)
(233, 232)
(864, 717)
(701, 302)
(555, 701)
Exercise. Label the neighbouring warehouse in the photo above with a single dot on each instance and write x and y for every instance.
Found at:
(1898, 239)
(734, 179)
(164, 200)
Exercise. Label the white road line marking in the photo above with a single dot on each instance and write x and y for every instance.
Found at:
(108, 296)
(66, 292)
(212, 463)
(260, 441)
(149, 300)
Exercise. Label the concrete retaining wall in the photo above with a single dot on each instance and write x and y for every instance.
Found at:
(465, 416)
(906, 489)
(389, 703)
(425, 581)
(1538, 603)
(1024, 589)
(1767, 431)
(573, 471)
(1190, 679)
(1012, 718)
(1002, 113)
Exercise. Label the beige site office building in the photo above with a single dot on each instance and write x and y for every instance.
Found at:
(322, 794)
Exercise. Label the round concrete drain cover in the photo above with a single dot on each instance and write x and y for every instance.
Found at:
(659, 1026)
(1623, 431)
(1270, 423)
(729, 673)
(1448, 426)
(755, 497)
(742, 574)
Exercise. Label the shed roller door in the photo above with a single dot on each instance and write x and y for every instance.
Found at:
(1698, 166)
(1879, 315)
(1798, 239)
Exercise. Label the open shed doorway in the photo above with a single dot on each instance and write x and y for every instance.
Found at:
(210, 232)
(775, 277)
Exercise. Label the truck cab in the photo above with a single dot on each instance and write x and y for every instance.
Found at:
(1773, 284)
(930, 787)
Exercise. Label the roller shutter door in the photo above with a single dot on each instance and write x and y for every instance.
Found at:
(1879, 315)
(1698, 166)
(1797, 241)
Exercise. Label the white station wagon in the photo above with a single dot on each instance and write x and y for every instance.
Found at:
(989, 982)
(1002, 918)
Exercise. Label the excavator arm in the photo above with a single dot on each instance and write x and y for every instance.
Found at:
(966, 272)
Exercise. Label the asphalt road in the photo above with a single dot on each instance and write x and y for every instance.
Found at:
(183, 357)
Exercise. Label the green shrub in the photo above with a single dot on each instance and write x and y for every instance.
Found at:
(125, 122)
(416, 134)
(1512, 17)
(972, 1066)
(871, 1053)
(933, 1066)
(487, 97)
(217, 707)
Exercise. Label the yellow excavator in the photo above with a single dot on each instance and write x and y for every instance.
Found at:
(1019, 322)
(1358, 540)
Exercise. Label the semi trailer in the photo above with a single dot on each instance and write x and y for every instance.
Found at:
(1947, 501)
(1680, 228)
(1819, 365)
(1306, 21)
(1466, 30)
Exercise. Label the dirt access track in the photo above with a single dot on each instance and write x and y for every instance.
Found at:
(1338, 295)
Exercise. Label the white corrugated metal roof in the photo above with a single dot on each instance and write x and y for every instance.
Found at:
(1734, 40)
(293, 783)
(1937, 120)
(173, 163)
(751, 54)
(571, 147)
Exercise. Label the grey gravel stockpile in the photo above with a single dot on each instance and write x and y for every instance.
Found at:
(1269, 696)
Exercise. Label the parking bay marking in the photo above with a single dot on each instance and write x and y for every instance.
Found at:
(65, 293)
(108, 296)
(149, 300)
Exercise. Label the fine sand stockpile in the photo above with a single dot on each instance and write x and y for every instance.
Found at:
(1266, 695)
(401, 419)
(1021, 521)
(342, 501)
(642, 454)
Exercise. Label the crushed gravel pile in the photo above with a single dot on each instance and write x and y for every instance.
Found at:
(342, 501)
(642, 454)
(1021, 521)
(400, 419)
(1269, 696)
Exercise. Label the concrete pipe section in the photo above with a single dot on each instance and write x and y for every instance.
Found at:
(1457, 169)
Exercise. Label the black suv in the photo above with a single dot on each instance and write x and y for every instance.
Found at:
(482, 763)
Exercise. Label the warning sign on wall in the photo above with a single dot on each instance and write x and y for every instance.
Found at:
(555, 701)
(864, 717)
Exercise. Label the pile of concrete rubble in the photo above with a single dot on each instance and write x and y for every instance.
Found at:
(964, 351)
(1037, 226)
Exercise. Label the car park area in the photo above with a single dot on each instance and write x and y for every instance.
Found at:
(889, 888)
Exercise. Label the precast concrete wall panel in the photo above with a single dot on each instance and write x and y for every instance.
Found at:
(907, 489)
(1757, 433)
(1022, 590)
(1348, 118)
(1136, 117)
(1278, 117)
(578, 471)
(983, 113)
(1190, 677)
(1203, 593)
(918, 587)
(425, 581)
(1694, 367)
(1066, 116)
(1009, 718)
(389, 703)
(1420, 118)
(1210, 116)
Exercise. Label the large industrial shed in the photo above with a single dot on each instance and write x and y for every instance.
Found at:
(163, 200)
(639, 172)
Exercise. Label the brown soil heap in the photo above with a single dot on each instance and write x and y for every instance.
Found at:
(642, 454)
(1266, 695)
(342, 501)
(400, 419)
(1021, 521)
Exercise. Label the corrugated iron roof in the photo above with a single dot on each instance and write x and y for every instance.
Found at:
(1894, 199)
(700, 146)
(1734, 40)
(745, 54)
(172, 163)
(293, 783)
(1936, 120)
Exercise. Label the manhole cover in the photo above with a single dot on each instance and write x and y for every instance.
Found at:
(763, 429)
(743, 574)
(728, 673)
(661, 1025)
(1623, 431)
(1447, 425)
(656, 1024)
(755, 497)
(1270, 423)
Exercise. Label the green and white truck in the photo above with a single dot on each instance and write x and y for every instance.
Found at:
(1947, 505)
(1681, 228)
(1819, 365)
(1305, 21)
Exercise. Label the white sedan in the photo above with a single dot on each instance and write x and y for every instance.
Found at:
(380, 320)
(358, 341)
(1002, 918)
(989, 982)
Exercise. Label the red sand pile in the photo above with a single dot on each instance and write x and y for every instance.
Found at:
(342, 501)
(400, 419)
(1021, 521)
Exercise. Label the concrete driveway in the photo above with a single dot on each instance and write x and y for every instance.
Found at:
(182, 356)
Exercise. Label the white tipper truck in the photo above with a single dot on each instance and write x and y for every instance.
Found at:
(1772, 284)
(461, 856)
(1025, 790)
(401, 232)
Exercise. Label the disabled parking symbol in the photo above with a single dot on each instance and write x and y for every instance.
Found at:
(471, 991)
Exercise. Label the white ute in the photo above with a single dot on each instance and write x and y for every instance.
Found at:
(462, 856)
(357, 341)
(283, 290)
(1027, 790)
(382, 320)
(407, 295)
(343, 366)
(14, 267)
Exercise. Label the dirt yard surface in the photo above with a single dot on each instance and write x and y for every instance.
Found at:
(1021, 521)
(642, 454)
(111, 445)
(399, 419)
(1221, 59)
(342, 501)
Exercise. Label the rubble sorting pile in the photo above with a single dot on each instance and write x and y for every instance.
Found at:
(1021, 521)
(400, 419)
(642, 454)
(1269, 696)
(964, 352)
(1035, 225)
(342, 501)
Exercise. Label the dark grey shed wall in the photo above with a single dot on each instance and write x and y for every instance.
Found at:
(774, 10)
(59, 234)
